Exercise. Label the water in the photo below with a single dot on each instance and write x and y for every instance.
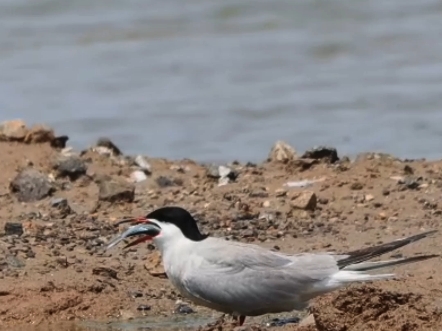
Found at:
(222, 80)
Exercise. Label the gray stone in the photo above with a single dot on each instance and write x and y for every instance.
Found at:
(115, 190)
(31, 185)
(70, 166)
(13, 229)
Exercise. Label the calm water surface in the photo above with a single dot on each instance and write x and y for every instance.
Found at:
(221, 80)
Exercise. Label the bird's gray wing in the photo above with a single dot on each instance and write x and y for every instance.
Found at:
(252, 280)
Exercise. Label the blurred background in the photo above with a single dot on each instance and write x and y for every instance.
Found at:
(217, 80)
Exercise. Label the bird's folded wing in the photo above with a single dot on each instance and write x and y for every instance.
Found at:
(254, 276)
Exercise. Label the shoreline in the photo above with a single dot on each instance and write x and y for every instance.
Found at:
(53, 268)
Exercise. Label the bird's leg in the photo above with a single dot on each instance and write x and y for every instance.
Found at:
(242, 318)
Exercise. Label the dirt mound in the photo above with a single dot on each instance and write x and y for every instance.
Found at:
(370, 308)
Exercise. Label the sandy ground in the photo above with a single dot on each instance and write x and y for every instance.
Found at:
(53, 267)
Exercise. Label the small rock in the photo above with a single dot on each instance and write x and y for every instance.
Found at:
(107, 143)
(14, 130)
(138, 176)
(14, 262)
(39, 134)
(412, 183)
(408, 170)
(107, 272)
(31, 185)
(115, 190)
(282, 152)
(13, 228)
(212, 171)
(182, 308)
(143, 308)
(356, 186)
(59, 142)
(329, 154)
(305, 201)
(369, 197)
(143, 164)
(135, 294)
(62, 207)
(163, 181)
(154, 265)
(70, 166)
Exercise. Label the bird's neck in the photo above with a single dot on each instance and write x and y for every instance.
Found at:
(166, 244)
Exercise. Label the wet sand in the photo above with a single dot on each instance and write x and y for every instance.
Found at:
(53, 267)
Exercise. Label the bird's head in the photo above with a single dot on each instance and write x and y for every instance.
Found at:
(164, 226)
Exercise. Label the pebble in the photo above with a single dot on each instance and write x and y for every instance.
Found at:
(31, 185)
(13, 229)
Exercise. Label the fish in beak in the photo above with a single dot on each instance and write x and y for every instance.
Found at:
(142, 227)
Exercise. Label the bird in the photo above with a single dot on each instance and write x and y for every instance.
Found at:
(243, 279)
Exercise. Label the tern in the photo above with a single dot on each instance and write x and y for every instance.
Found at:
(248, 280)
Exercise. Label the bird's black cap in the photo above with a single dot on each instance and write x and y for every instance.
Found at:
(180, 218)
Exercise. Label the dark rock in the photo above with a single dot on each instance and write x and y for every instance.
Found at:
(408, 170)
(59, 142)
(70, 166)
(284, 321)
(106, 142)
(31, 185)
(115, 190)
(143, 308)
(356, 186)
(13, 228)
(329, 154)
(135, 294)
(163, 181)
